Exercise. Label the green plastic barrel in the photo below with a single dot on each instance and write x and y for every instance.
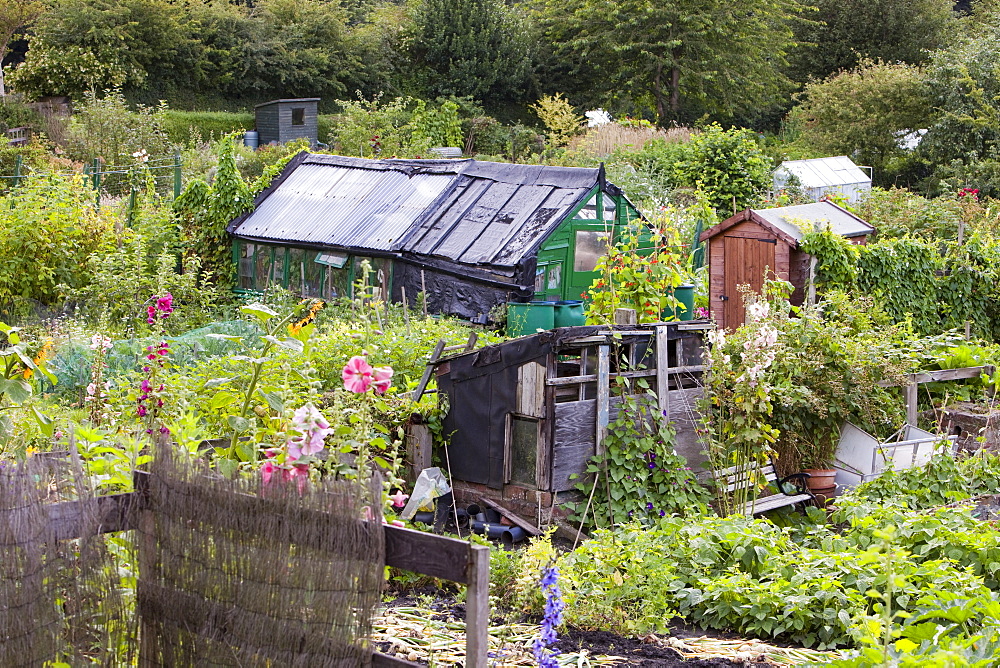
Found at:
(685, 295)
(524, 319)
(570, 314)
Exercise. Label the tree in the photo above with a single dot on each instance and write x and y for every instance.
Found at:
(679, 58)
(846, 32)
(864, 113)
(474, 48)
(14, 15)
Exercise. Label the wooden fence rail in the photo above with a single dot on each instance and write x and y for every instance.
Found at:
(424, 553)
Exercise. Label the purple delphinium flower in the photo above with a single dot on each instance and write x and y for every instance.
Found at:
(544, 655)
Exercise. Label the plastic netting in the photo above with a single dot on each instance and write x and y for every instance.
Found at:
(71, 363)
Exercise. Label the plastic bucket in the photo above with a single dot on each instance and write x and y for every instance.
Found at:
(685, 295)
(569, 314)
(524, 319)
(251, 139)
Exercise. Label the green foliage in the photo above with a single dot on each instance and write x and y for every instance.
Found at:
(223, 52)
(729, 167)
(841, 36)
(863, 112)
(561, 121)
(478, 48)
(377, 129)
(639, 478)
(105, 128)
(897, 212)
(181, 126)
(439, 127)
(639, 272)
(836, 258)
(48, 229)
(205, 211)
(676, 60)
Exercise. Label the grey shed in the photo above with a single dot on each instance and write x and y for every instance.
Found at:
(282, 121)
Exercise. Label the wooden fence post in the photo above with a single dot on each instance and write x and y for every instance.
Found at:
(477, 607)
(603, 397)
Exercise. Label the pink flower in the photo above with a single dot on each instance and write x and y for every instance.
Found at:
(165, 304)
(357, 375)
(399, 499)
(267, 470)
(383, 378)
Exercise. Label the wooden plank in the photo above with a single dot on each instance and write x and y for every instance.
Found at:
(512, 516)
(69, 519)
(427, 553)
(567, 461)
(590, 378)
(546, 427)
(477, 607)
(426, 378)
(530, 399)
(944, 375)
(625, 316)
(380, 660)
(662, 364)
(419, 443)
(603, 396)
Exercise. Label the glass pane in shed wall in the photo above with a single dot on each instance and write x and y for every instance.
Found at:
(313, 276)
(262, 261)
(246, 268)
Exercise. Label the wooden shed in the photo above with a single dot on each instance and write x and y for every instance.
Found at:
(525, 416)
(758, 242)
(284, 120)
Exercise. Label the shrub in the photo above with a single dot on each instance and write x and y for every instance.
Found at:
(182, 127)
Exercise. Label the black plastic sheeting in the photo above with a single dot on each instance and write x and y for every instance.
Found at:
(482, 390)
(450, 293)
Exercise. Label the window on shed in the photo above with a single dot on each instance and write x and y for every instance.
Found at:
(589, 210)
(313, 274)
(298, 115)
(296, 263)
(263, 275)
(590, 246)
(610, 207)
(522, 440)
(246, 266)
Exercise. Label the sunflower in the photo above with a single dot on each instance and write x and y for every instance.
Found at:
(314, 308)
(44, 353)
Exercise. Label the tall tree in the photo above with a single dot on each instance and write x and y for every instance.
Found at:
(14, 15)
(680, 57)
(847, 31)
(476, 48)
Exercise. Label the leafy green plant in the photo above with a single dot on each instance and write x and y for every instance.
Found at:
(639, 477)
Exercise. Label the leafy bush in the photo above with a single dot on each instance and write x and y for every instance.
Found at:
(106, 128)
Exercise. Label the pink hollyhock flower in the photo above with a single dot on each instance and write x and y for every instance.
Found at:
(357, 375)
(267, 470)
(399, 499)
(382, 378)
(165, 304)
(313, 429)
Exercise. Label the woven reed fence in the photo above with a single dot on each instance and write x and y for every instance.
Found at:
(229, 573)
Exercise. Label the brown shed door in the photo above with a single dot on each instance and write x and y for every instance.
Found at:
(745, 262)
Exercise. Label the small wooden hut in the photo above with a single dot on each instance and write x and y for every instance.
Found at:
(526, 416)
(282, 121)
(755, 243)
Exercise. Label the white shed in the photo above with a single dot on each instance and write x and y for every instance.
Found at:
(826, 176)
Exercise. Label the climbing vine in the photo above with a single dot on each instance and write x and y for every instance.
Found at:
(836, 258)
(205, 211)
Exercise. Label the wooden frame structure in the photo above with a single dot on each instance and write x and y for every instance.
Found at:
(428, 554)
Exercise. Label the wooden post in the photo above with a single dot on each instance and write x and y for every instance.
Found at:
(662, 366)
(811, 293)
(477, 607)
(603, 397)
(406, 310)
(418, 448)
(625, 316)
(911, 403)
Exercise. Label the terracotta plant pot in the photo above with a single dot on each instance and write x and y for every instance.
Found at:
(821, 480)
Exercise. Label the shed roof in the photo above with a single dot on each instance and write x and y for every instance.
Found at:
(789, 222)
(826, 172)
(467, 211)
(287, 99)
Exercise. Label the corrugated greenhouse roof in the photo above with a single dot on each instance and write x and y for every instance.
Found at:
(825, 172)
(792, 219)
(477, 213)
